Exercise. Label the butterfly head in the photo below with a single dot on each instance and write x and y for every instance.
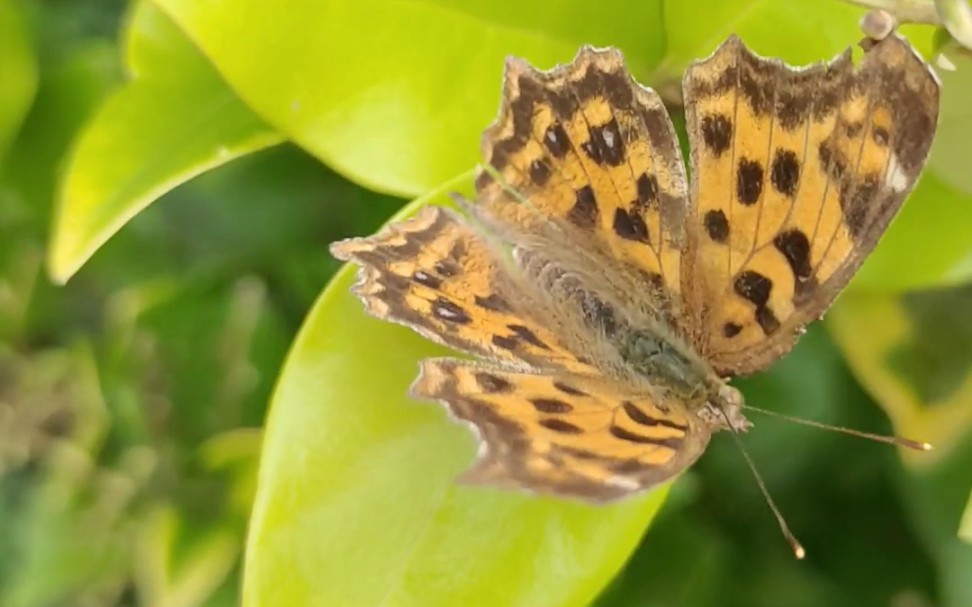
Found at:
(724, 408)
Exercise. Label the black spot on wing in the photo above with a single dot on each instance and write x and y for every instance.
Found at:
(640, 417)
(507, 343)
(717, 133)
(716, 225)
(785, 173)
(795, 247)
(749, 181)
(756, 288)
(832, 161)
(492, 384)
(767, 321)
(731, 329)
(568, 389)
(449, 311)
(556, 140)
(647, 189)
(424, 278)
(447, 268)
(605, 145)
(578, 453)
(561, 426)
(540, 172)
(630, 226)
(551, 405)
(631, 437)
(856, 201)
(527, 335)
(584, 213)
(627, 466)
(492, 302)
(753, 287)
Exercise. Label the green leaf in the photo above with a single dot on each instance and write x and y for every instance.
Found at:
(174, 120)
(911, 353)
(952, 142)
(357, 505)
(394, 95)
(928, 243)
(18, 72)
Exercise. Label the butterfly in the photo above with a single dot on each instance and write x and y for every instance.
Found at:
(604, 296)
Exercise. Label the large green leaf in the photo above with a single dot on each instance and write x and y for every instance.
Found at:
(174, 120)
(395, 95)
(357, 504)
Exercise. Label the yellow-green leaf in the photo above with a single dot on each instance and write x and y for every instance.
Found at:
(174, 120)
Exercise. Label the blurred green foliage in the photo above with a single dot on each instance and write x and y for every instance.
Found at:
(133, 399)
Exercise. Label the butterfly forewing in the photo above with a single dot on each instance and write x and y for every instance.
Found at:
(587, 149)
(797, 173)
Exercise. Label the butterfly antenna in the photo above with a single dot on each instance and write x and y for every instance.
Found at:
(795, 544)
(891, 440)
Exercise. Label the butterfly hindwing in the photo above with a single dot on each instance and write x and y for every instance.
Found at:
(797, 173)
(574, 435)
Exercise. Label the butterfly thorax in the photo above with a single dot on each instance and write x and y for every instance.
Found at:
(664, 364)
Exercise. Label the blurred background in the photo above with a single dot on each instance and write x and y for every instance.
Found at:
(133, 397)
